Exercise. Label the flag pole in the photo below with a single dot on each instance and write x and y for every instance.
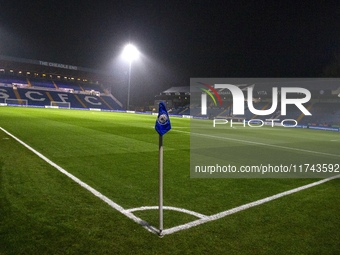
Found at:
(162, 126)
(160, 207)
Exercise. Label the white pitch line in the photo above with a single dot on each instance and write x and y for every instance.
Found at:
(243, 207)
(258, 143)
(182, 210)
(144, 224)
(114, 205)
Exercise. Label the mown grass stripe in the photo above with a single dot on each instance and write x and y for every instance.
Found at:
(86, 186)
(259, 143)
(244, 207)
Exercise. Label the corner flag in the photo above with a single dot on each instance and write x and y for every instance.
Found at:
(163, 124)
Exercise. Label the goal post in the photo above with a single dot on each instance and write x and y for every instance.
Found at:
(60, 104)
(20, 102)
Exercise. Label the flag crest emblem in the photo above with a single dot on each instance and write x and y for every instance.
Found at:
(163, 124)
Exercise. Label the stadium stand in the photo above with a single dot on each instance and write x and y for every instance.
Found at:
(6, 93)
(323, 114)
(62, 85)
(41, 83)
(37, 97)
(324, 104)
(4, 79)
(89, 88)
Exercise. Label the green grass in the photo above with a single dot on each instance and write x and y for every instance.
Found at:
(44, 212)
(275, 146)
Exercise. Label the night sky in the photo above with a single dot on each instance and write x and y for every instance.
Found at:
(178, 39)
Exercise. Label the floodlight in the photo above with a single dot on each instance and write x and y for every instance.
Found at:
(130, 52)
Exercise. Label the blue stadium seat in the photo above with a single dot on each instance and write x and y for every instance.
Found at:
(42, 97)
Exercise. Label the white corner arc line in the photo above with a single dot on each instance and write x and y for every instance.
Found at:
(259, 143)
(182, 210)
(244, 207)
(128, 213)
(87, 187)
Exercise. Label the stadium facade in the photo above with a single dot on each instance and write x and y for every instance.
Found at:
(48, 84)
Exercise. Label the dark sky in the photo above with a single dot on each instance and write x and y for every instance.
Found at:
(178, 39)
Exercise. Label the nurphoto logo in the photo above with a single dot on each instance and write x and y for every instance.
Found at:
(259, 127)
(238, 99)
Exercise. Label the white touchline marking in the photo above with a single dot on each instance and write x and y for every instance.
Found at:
(335, 140)
(243, 207)
(89, 188)
(258, 143)
(143, 208)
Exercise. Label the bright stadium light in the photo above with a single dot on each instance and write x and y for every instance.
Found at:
(130, 53)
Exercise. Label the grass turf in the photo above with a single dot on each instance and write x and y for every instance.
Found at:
(42, 211)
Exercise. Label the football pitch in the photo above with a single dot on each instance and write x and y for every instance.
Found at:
(86, 182)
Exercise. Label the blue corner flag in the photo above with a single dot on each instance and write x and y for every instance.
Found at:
(163, 124)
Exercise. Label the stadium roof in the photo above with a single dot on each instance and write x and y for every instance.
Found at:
(183, 89)
(51, 64)
(23, 67)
